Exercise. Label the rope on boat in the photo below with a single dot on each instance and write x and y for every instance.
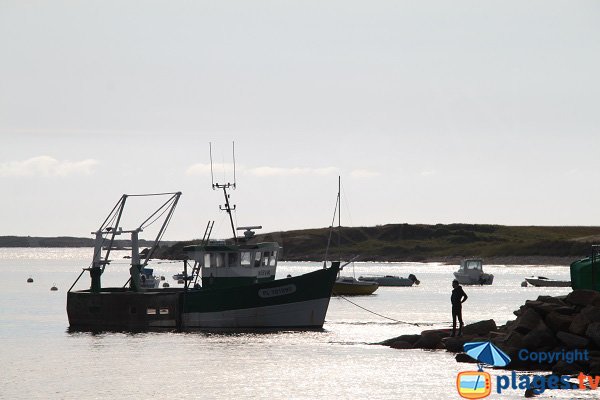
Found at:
(382, 316)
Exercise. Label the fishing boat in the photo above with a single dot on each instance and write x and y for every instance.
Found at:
(471, 273)
(542, 281)
(391, 280)
(234, 285)
(348, 285)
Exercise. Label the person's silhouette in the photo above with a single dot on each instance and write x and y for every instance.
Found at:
(458, 297)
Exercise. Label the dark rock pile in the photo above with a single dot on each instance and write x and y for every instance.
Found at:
(548, 324)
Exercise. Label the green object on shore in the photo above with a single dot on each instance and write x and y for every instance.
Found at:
(585, 273)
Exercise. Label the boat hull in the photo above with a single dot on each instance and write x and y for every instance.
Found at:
(340, 288)
(388, 281)
(484, 279)
(585, 273)
(547, 282)
(293, 303)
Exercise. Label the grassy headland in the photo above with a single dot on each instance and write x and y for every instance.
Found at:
(558, 245)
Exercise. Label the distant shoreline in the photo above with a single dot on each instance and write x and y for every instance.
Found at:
(447, 244)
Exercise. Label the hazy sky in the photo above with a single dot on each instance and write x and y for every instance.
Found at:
(431, 111)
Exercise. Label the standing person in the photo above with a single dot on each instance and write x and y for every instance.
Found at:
(458, 297)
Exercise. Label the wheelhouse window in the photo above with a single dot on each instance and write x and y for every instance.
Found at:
(273, 259)
(265, 260)
(246, 259)
(214, 260)
(257, 257)
(473, 265)
(233, 260)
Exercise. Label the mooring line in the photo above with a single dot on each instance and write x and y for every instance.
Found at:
(382, 316)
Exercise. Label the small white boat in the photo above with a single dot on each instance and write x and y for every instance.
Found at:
(471, 273)
(390, 280)
(542, 281)
(348, 285)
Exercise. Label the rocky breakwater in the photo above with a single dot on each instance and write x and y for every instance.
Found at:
(550, 325)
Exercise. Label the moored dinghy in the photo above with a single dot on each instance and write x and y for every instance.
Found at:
(542, 281)
(391, 280)
(347, 285)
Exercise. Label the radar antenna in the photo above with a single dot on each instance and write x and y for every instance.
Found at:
(226, 207)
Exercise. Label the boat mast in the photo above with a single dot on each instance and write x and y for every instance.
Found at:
(331, 227)
(339, 219)
(228, 208)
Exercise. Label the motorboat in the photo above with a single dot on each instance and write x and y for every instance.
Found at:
(471, 273)
(348, 285)
(391, 280)
(542, 281)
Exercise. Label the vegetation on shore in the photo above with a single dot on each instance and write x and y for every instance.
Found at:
(397, 242)
(443, 243)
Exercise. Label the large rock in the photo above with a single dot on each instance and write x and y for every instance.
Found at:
(579, 324)
(412, 339)
(543, 309)
(592, 313)
(429, 341)
(581, 321)
(464, 357)
(564, 368)
(551, 299)
(573, 341)
(558, 322)
(541, 337)
(528, 321)
(455, 344)
(480, 328)
(583, 297)
(401, 345)
(515, 340)
(593, 332)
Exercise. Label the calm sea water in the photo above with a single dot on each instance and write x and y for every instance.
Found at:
(40, 359)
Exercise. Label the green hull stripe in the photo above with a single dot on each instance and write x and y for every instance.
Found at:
(311, 286)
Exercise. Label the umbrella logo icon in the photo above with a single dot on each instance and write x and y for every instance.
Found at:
(478, 384)
(487, 353)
